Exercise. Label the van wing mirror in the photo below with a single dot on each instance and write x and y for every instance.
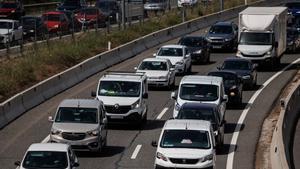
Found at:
(225, 98)
(174, 95)
(93, 94)
(50, 119)
(145, 95)
(154, 54)
(17, 163)
(154, 143)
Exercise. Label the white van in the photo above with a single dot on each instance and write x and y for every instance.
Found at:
(201, 89)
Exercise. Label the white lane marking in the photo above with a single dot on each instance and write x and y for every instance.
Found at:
(230, 158)
(46, 140)
(162, 113)
(136, 151)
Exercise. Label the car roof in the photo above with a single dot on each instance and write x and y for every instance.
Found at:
(199, 105)
(172, 46)
(124, 76)
(187, 125)
(48, 147)
(236, 59)
(224, 71)
(155, 59)
(86, 103)
(224, 23)
(199, 79)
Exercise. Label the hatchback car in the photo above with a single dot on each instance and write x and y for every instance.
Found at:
(56, 22)
(208, 112)
(223, 35)
(198, 47)
(233, 85)
(49, 155)
(90, 16)
(244, 68)
(33, 26)
(178, 55)
(185, 144)
(159, 72)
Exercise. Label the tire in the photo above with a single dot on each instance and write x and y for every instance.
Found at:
(189, 69)
(208, 59)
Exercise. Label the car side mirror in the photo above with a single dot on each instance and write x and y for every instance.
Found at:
(75, 164)
(17, 163)
(174, 95)
(135, 68)
(219, 67)
(225, 98)
(154, 143)
(93, 94)
(145, 95)
(50, 119)
(154, 54)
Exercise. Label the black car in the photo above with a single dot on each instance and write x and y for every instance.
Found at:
(110, 9)
(198, 47)
(33, 26)
(292, 40)
(72, 5)
(223, 35)
(232, 83)
(244, 68)
(204, 111)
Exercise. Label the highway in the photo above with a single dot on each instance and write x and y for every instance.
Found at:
(131, 148)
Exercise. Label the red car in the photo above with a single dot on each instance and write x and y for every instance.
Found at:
(11, 10)
(56, 22)
(90, 16)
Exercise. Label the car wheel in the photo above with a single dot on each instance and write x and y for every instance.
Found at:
(189, 69)
(208, 59)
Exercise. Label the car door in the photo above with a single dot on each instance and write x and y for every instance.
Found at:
(171, 72)
(222, 103)
(72, 158)
(18, 31)
(144, 93)
(103, 122)
(187, 57)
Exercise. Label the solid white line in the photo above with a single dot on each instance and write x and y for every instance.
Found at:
(136, 151)
(230, 158)
(46, 139)
(162, 113)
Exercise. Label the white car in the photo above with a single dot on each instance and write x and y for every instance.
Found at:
(10, 31)
(49, 155)
(178, 55)
(185, 144)
(201, 89)
(159, 72)
(124, 95)
(182, 3)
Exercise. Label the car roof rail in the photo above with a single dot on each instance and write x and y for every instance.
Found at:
(127, 73)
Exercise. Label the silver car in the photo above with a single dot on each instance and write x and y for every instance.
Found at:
(155, 5)
(80, 123)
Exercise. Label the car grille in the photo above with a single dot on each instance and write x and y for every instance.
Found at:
(183, 161)
(253, 55)
(117, 109)
(73, 136)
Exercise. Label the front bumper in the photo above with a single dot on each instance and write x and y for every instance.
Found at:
(132, 115)
(255, 58)
(179, 68)
(168, 164)
(158, 82)
(222, 45)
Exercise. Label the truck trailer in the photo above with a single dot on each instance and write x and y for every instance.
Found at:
(262, 34)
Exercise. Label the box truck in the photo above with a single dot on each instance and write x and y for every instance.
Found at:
(262, 34)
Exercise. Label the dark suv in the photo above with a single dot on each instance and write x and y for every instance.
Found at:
(110, 9)
(198, 47)
(223, 35)
(72, 5)
(11, 10)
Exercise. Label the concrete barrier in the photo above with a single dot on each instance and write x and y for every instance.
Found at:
(3, 120)
(51, 87)
(281, 141)
(13, 108)
(32, 97)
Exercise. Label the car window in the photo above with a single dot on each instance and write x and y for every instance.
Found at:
(153, 65)
(236, 65)
(199, 92)
(45, 159)
(220, 29)
(165, 51)
(119, 88)
(197, 114)
(77, 115)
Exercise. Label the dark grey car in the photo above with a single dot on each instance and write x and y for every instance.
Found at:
(198, 47)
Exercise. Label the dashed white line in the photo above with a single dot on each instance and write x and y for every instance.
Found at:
(162, 113)
(46, 140)
(230, 158)
(136, 151)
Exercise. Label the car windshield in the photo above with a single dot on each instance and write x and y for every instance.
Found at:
(77, 115)
(155, 1)
(249, 38)
(185, 139)
(236, 65)
(291, 33)
(293, 5)
(51, 17)
(8, 5)
(177, 52)
(71, 3)
(218, 29)
(45, 159)
(153, 65)
(199, 92)
(191, 42)
(119, 88)
(29, 21)
(106, 5)
(89, 11)
(229, 79)
(6, 25)
(197, 114)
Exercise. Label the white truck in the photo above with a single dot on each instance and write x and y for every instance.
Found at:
(262, 34)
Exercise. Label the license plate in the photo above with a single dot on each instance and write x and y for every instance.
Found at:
(116, 117)
(217, 47)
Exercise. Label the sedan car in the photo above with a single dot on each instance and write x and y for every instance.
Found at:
(49, 155)
(293, 40)
(56, 22)
(155, 5)
(159, 72)
(198, 47)
(33, 26)
(223, 35)
(90, 16)
(233, 85)
(178, 55)
(244, 68)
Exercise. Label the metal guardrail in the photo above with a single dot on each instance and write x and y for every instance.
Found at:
(41, 4)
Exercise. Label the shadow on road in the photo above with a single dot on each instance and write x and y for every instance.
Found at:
(108, 151)
(226, 149)
(230, 127)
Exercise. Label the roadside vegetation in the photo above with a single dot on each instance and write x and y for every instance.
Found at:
(45, 60)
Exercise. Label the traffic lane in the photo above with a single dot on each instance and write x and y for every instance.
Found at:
(249, 135)
(296, 146)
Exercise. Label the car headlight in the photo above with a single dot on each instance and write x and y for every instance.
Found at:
(238, 52)
(93, 133)
(161, 156)
(198, 51)
(269, 53)
(55, 26)
(209, 40)
(246, 77)
(233, 87)
(228, 39)
(135, 105)
(13, 11)
(31, 30)
(290, 43)
(177, 107)
(207, 158)
(55, 131)
(180, 62)
(232, 94)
